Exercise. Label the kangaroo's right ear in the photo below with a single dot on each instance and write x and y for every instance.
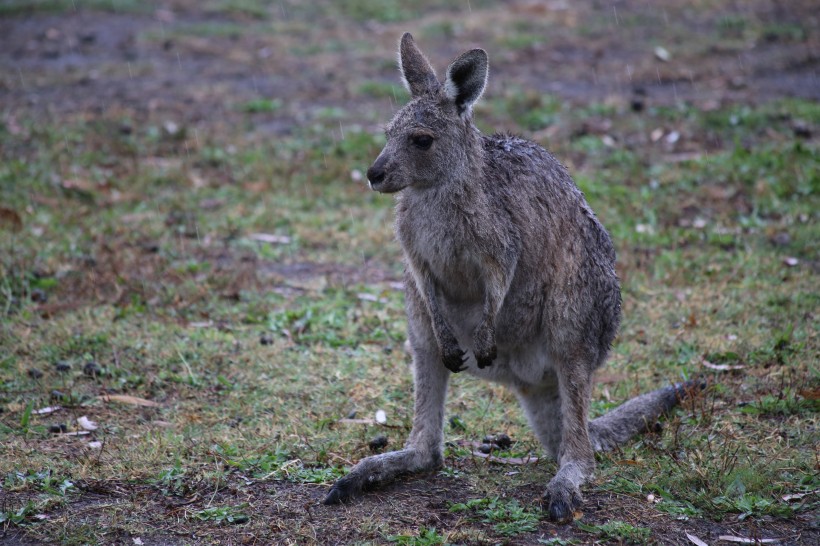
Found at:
(417, 74)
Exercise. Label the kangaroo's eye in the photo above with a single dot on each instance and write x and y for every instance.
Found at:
(422, 142)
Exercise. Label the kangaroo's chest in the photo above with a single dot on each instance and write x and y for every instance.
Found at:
(445, 247)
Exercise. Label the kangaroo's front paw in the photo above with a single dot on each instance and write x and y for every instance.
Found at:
(486, 359)
(485, 348)
(562, 498)
(454, 359)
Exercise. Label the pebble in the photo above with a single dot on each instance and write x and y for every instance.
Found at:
(378, 443)
(58, 428)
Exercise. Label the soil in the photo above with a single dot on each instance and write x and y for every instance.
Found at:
(295, 513)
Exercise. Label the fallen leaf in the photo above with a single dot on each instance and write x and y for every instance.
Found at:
(371, 297)
(506, 460)
(47, 410)
(9, 218)
(86, 424)
(810, 394)
(201, 324)
(721, 367)
(128, 399)
(628, 462)
(357, 421)
(270, 238)
(797, 496)
(695, 540)
(743, 540)
(161, 423)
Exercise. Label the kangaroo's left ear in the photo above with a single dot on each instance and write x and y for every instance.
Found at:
(466, 79)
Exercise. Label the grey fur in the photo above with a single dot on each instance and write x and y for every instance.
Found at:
(509, 276)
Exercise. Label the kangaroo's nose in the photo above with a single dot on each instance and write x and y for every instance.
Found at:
(375, 175)
(377, 172)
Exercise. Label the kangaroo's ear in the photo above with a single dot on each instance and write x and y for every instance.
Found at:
(467, 78)
(416, 73)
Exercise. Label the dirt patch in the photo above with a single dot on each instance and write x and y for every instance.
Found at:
(198, 68)
(278, 512)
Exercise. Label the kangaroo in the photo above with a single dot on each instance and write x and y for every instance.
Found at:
(509, 276)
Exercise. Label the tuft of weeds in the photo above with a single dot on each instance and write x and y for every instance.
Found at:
(617, 530)
(507, 517)
(224, 514)
(426, 536)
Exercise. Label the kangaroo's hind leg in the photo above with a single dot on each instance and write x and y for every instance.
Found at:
(558, 414)
(424, 448)
(542, 406)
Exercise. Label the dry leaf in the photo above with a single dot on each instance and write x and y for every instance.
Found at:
(796, 496)
(628, 462)
(207, 324)
(128, 399)
(270, 238)
(371, 297)
(47, 410)
(743, 540)
(810, 394)
(86, 424)
(10, 219)
(160, 423)
(695, 540)
(506, 460)
(357, 421)
(721, 367)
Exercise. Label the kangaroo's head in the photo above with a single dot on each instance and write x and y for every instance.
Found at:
(429, 141)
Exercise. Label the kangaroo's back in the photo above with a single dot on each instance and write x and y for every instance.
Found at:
(567, 259)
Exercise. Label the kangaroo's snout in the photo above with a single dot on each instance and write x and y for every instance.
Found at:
(377, 173)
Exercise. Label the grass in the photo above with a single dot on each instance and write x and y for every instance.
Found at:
(170, 313)
(233, 377)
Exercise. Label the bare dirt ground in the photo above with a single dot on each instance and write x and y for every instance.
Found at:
(89, 64)
(176, 62)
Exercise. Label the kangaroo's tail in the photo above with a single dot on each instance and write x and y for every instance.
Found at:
(638, 414)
